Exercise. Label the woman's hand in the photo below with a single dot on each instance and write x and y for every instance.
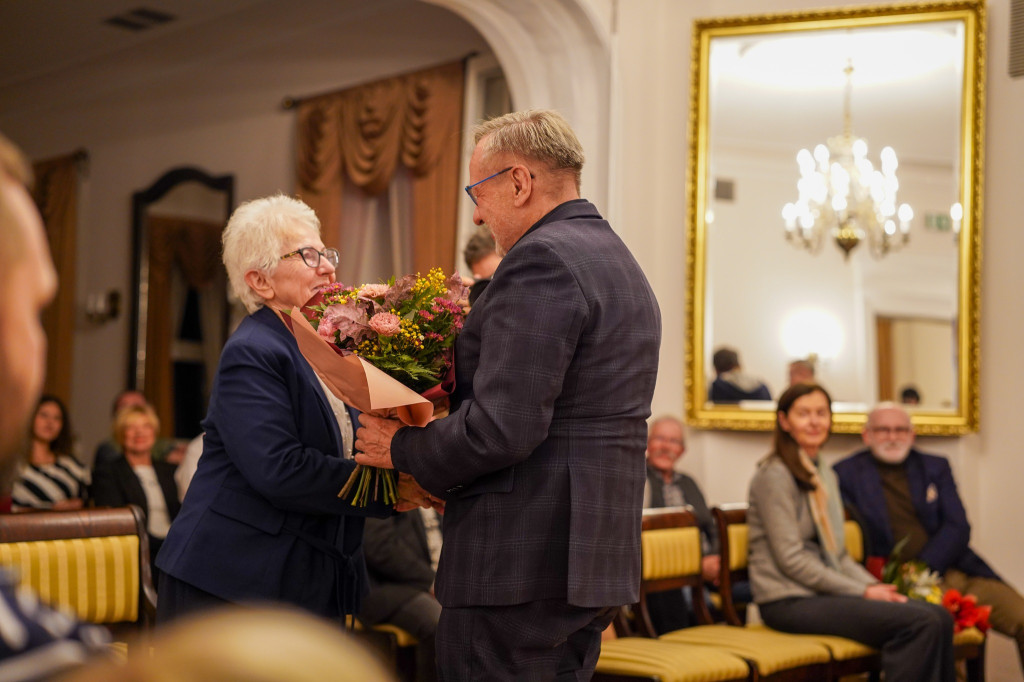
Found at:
(883, 592)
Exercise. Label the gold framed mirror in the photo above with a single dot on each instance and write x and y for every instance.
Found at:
(806, 255)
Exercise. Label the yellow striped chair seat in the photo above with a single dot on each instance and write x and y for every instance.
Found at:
(669, 662)
(95, 578)
(969, 636)
(842, 649)
(770, 652)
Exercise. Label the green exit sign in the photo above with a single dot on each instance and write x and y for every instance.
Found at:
(939, 222)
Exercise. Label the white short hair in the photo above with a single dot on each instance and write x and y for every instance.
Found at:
(255, 236)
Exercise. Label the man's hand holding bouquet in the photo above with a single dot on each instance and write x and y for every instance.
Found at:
(387, 350)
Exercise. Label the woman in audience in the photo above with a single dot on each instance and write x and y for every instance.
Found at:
(802, 579)
(134, 477)
(53, 478)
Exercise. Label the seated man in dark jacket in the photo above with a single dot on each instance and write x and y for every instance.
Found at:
(667, 487)
(900, 493)
(401, 561)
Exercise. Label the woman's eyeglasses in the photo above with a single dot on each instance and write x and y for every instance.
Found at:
(311, 256)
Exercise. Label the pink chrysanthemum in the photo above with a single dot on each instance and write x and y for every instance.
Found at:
(386, 324)
(373, 290)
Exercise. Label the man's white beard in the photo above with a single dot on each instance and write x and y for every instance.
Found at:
(891, 455)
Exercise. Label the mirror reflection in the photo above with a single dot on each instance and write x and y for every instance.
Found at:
(831, 163)
(181, 307)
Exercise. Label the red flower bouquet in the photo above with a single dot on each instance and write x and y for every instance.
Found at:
(386, 349)
(965, 611)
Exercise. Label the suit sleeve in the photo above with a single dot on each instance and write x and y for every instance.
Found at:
(535, 314)
(261, 404)
(949, 541)
(771, 492)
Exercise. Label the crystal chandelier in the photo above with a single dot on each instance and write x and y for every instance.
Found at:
(842, 195)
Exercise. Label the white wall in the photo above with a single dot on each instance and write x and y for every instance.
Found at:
(653, 69)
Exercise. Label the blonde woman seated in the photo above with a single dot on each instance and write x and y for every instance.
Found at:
(802, 579)
(52, 478)
(134, 477)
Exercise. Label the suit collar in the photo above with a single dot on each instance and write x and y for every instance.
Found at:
(570, 210)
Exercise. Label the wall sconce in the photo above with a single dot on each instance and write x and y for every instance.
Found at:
(103, 308)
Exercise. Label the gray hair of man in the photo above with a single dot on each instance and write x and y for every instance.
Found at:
(255, 238)
(887, 405)
(669, 419)
(539, 134)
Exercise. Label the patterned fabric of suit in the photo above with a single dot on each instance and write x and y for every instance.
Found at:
(542, 458)
(262, 519)
(935, 498)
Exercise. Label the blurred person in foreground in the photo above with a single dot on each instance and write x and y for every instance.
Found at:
(800, 573)
(900, 492)
(52, 478)
(541, 458)
(237, 644)
(35, 641)
(262, 520)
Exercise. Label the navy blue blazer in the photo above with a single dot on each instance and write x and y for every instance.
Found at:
(262, 519)
(541, 460)
(935, 499)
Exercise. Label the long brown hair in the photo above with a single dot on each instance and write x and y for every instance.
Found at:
(63, 444)
(784, 445)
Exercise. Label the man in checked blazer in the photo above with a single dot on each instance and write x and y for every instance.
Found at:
(541, 459)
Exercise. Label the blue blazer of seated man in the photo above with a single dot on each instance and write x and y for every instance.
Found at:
(935, 499)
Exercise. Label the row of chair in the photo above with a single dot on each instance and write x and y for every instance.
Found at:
(732, 650)
(95, 563)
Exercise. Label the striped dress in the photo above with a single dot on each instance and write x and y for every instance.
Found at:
(40, 486)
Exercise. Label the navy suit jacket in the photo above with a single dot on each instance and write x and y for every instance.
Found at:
(542, 457)
(935, 499)
(262, 519)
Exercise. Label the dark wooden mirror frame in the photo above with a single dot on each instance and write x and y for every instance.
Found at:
(141, 201)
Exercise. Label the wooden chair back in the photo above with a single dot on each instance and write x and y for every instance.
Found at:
(92, 562)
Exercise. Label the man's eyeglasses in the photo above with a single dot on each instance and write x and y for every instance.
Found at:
(469, 188)
(311, 256)
(891, 430)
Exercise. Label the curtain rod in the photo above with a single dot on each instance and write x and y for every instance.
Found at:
(289, 102)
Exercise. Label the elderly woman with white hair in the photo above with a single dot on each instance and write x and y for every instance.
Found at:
(262, 520)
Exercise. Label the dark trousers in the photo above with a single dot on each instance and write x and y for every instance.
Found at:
(537, 641)
(179, 598)
(915, 638)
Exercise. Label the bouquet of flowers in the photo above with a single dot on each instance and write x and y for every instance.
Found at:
(406, 329)
(965, 611)
(914, 579)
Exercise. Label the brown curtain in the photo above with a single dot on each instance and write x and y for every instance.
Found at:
(192, 248)
(56, 194)
(360, 135)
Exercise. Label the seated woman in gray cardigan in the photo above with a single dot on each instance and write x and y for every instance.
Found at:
(802, 579)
